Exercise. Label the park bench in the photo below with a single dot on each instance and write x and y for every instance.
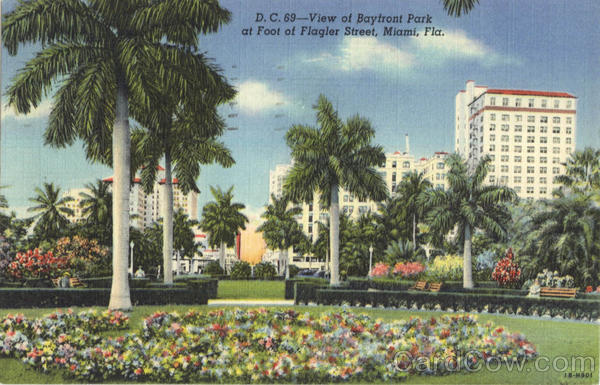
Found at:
(419, 285)
(56, 282)
(75, 282)
(436, 286)
(557, 292)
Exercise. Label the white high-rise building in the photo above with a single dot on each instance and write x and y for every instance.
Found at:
(145, 209)
(527, 134)
(74, 204)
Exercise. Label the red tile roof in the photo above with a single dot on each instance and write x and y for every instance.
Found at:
(175, 181)
(532, 93)
(110, 180)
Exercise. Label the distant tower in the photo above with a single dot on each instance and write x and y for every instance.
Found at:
(407, 144)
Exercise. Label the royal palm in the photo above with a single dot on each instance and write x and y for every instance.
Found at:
(52, 211)
(468, 204)
(222, 220)
(412, 191)
(108, 56)
(335, 155)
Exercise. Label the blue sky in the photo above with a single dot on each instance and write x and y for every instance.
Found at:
(402, 84)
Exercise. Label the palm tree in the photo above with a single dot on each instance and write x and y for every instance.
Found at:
(457, 7)
(412, 190)
(335, 155)
(565, 237)
(222, 219)
(582, 172)
(468, 204)
(51, 211)
(97, 204)
(280, 229)
(186, 141)
(108, 56)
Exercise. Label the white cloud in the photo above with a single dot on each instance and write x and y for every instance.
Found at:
(254, 96)
(373, 54)
(42, 111)
(253, 214)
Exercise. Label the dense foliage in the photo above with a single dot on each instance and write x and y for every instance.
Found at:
(241, 270)
(265, 270)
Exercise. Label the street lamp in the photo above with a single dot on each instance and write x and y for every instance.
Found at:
(131, 245)
(370, 260)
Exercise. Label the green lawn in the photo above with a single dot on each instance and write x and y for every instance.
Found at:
(251, 289)
(552, 339)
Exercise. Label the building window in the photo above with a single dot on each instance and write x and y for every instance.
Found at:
(345, 199)
(492, 138)
(544, 103)
(440, 166)
(543, 159)
(569, 130)
(555, 170)
(556, 140)
(518, 189)
(517, 179)
(406, 165)
(531, 103)
(492, 117)
(518, 128)
(517, 169)
(543, 170)
(543, 129)
(518, 102)
(556, 130)
(505, 117)
(556, 120)
(504, 148)
(531, 139)
(555, 160)
(543, 139)
(568, 140)
(492, 101)
(492, 127)
(556, 103)
(543, 180)
(504, 168)
(505, 102)
(492, 147)
(518, 158)
(530, 180)
(530, 129)
(531, 119)
(492, 168)
(569, 104)
(492, 157)
(530, 149)
(569, 120)
(394, 164)
(543, 190)
(504, 179)
(393, 177)
(556, 150)
(345, 209)
(351, 198)
(504, 158)
(504, 138)
(505, 127)
(492, 179)
(567, 150)
(529, 189)
(543, 119)
(518, 148)
(543, 150)
(530, 159)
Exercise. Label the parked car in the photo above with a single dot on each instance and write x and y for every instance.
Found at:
(307, 273)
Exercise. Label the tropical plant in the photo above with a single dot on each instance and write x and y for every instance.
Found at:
(565, 238)
(265, 270)
(110, 56)
(582, 173)
(380, 270)
(52, 211)
(411, 191)
(403, 251)
(241, 270)
(280, 228)
(408, 269)
(214, 269)
(187, 139)
(445, 268)
(458, 7)
(222, 219)
(33, 264)
(335, 155)
(85, 257)
(467, 205)
(506, 272)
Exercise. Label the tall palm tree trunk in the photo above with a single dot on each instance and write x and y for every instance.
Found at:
(414, 231)
(121, 144)
(467, 267)
(167, 214)
(287, 264)
(222, 256)
(334, 233)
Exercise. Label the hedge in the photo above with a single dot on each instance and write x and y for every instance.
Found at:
(399, 285)
(106, 282)
(17, 298)
(209, 286)
(510, 304)
(290, 284)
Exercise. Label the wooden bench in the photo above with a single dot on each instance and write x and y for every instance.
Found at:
(435, 286)
(75, 282)
(419, 285)
(56, 282)
(557, 292)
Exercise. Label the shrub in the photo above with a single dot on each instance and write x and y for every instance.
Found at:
(408, 269)
(446, 268)
(86, 257)
(507, 273)
(214, 268)
(32, 264)
(294, 270)
(380, 270)
(241, 270)
(265, 270)
(549, 279)
(290, 285)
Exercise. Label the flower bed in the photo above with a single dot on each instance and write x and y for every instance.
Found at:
(257, 346)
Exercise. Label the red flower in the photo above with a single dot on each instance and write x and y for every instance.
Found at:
(588, 289)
